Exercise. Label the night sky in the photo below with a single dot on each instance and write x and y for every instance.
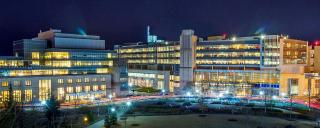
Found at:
(119, 21)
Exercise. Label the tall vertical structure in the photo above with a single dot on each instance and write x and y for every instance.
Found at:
(120, 76)
(151, 39)
(187, 58)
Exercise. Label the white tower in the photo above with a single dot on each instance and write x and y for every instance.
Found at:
(187, 58)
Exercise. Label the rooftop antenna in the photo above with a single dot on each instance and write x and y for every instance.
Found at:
(148, 33)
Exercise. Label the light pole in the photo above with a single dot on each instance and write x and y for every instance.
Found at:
(274, 99)
(125, 118)
(163, 91)
(130, 87)
(188, 95)
(310, 76)
(110, 97)
(43, 103)
(261, 93)
(291, 96)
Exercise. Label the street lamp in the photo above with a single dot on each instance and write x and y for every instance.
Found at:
(261, 93)
(234, 39)
(113, 109)
(129, 103)
(274, 97)
(188, 94)
(43, 102)
(85, 119)
(163, 91)
(110, 97)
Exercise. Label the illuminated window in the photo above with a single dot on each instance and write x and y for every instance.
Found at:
(103, 87)
(58, 63)
(60, 81)
(5, 95)
(57, 55)
(109, 55)
(79, 80)
(103, 79)
(35, 62)
(69, 89)
(78, 89)
(102, 70)
(60, 93)
(87, 88)
(35, 55)
(28, 82)
(44, 89)
(5, 83)
(94, 79)
(95, 88)
(59, 72)
(16, 83)
(288, 52)
(69, 81)
(86, 80)
(17, 95)
(28, 95)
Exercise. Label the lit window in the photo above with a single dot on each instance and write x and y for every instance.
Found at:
(16, 83)
(44, 89)
(60, 93)
(79, 80)
(86, 80)
(17, 95)
(95, 88)
(103, 79)
(69, 89)
(69, 81)
(94, 79)
(5, 83)
(60, 81)
(28, 82)
(28, 95)
(87, 88)
(5, 95)
(78, 89)
(35, 55)
(103, 87)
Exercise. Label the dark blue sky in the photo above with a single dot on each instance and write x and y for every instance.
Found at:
(119, 21)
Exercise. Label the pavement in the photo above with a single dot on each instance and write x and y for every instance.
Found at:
(208, 121)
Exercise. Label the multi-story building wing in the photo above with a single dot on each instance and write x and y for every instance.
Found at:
(240, 66)
(151, 60)
(246, 65)
(67, 66)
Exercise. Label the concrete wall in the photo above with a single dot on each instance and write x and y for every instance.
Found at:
(302, 84)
